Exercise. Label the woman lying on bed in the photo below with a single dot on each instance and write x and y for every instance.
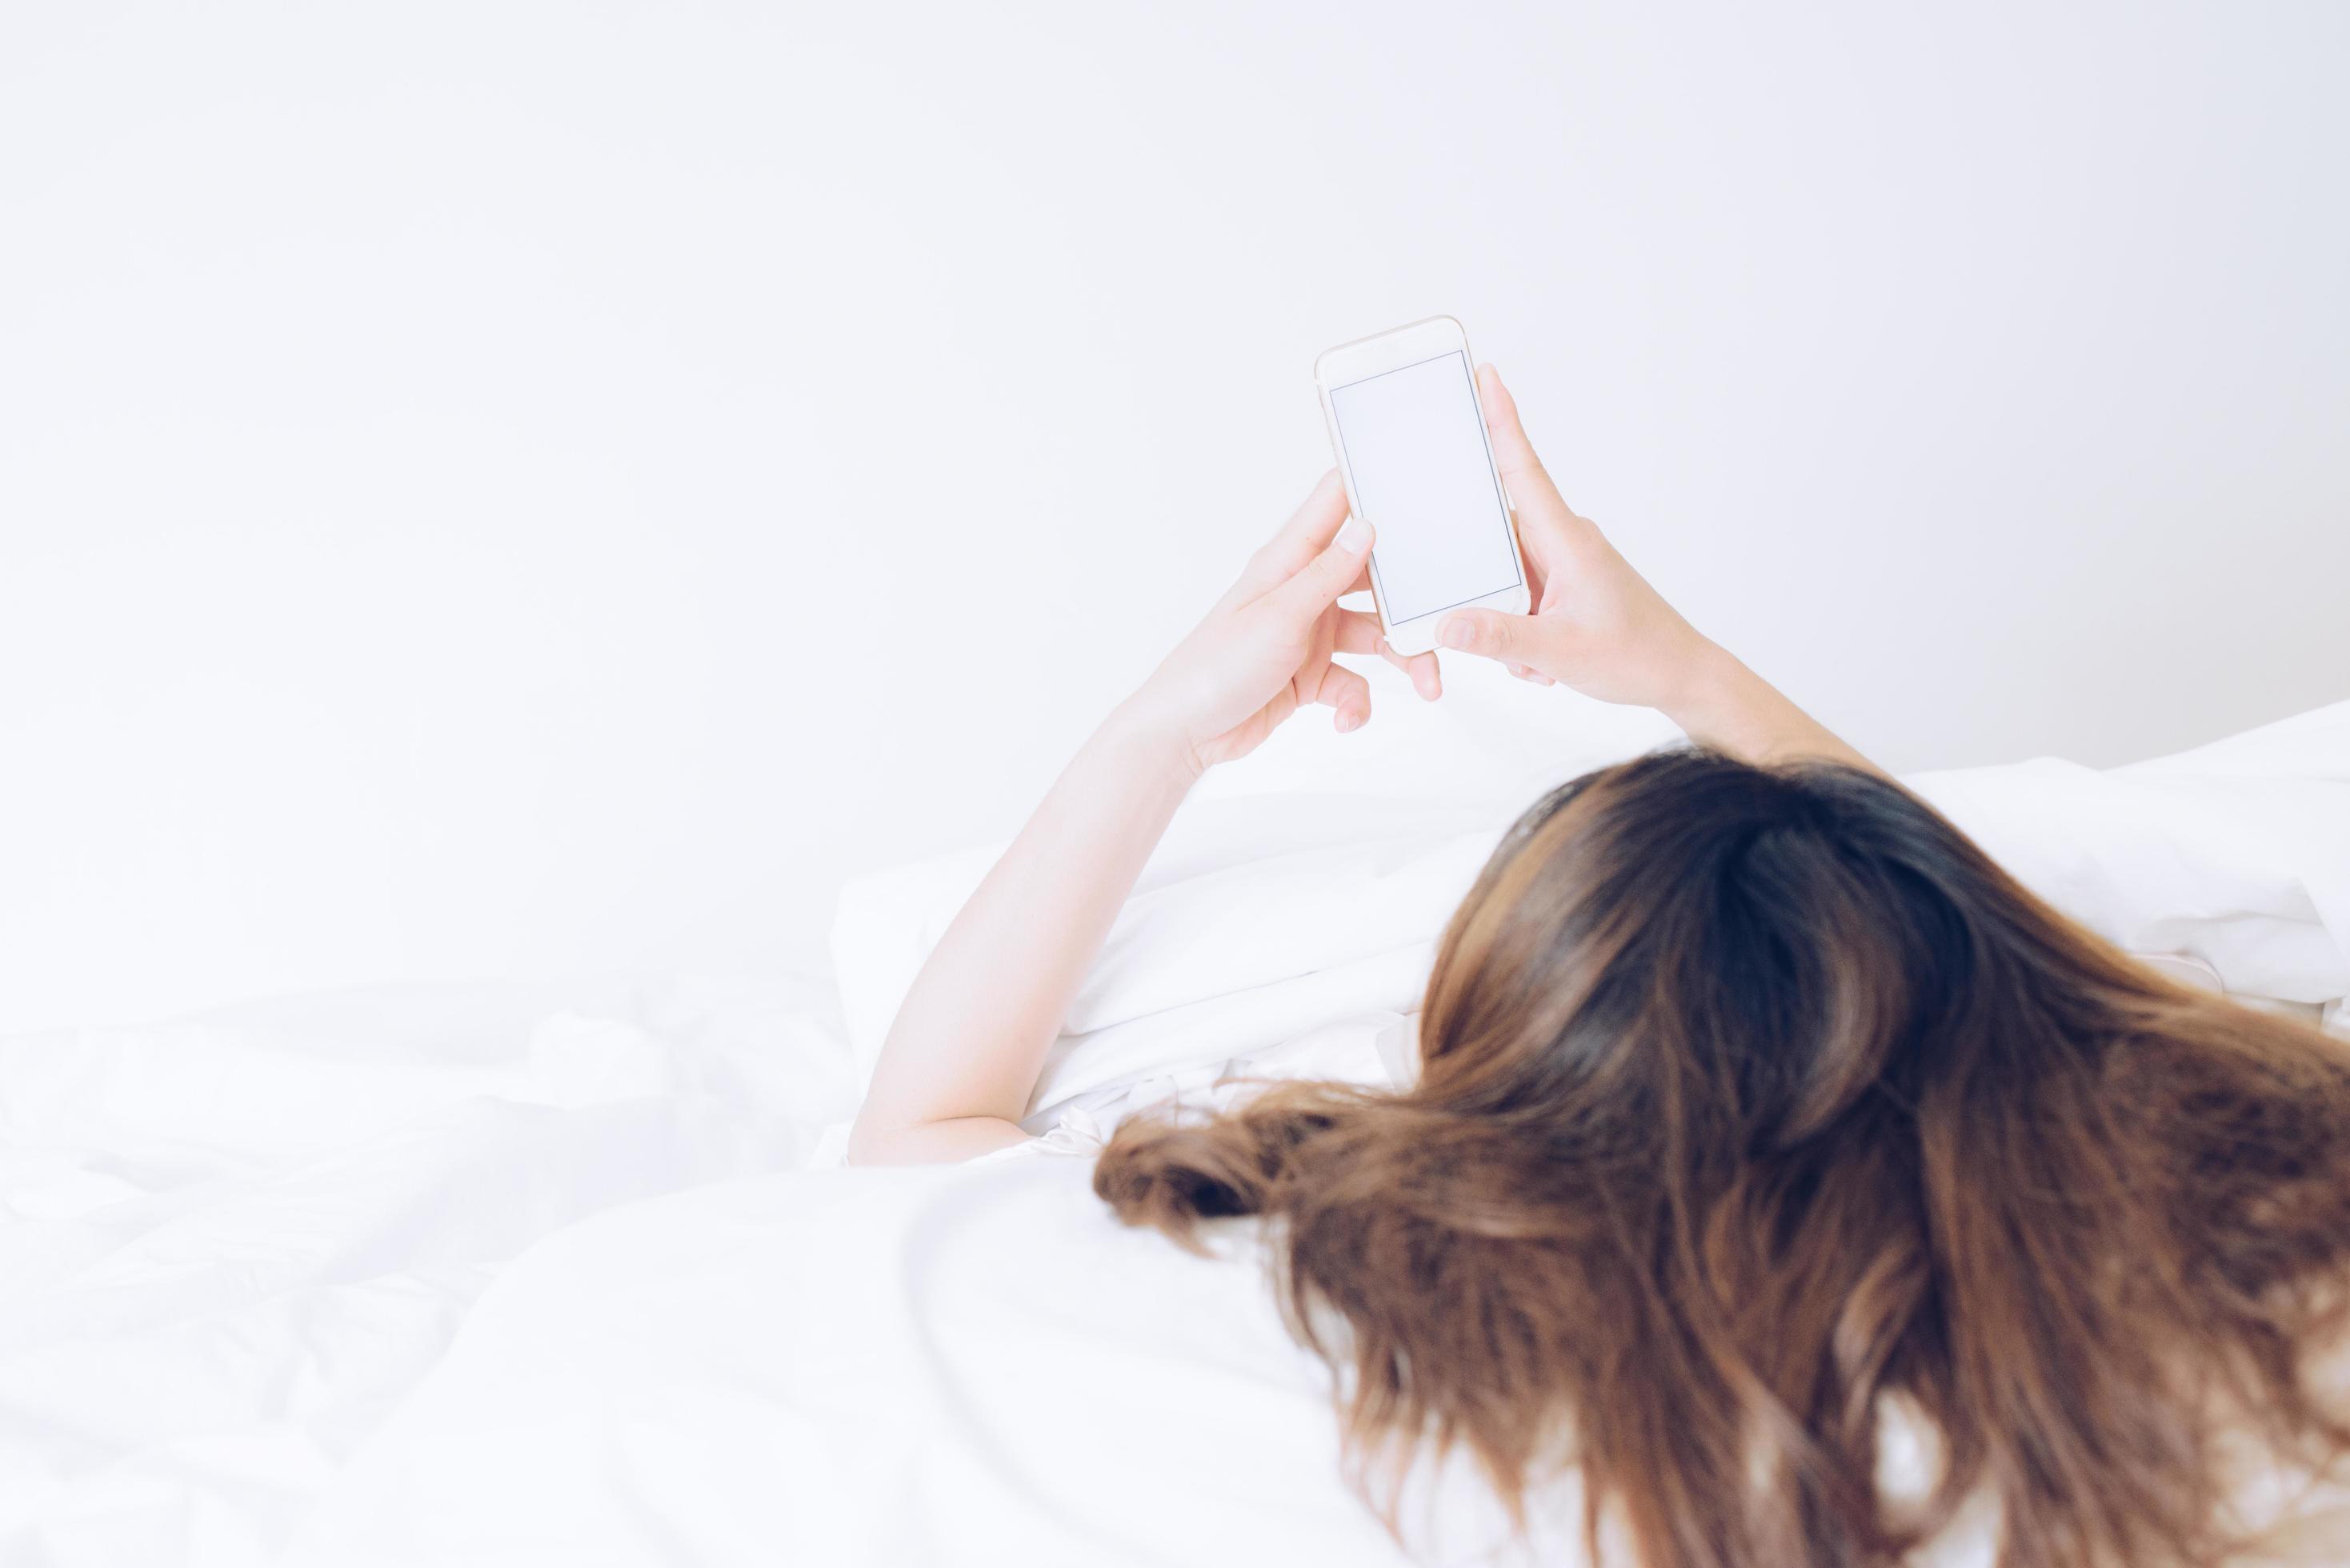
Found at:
(1752, 1096)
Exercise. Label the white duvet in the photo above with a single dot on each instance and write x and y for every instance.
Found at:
(504, 1274)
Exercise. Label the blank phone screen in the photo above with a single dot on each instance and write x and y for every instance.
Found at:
(1416, 450)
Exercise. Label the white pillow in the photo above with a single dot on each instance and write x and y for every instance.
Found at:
(1267, 915)
(1260, 920)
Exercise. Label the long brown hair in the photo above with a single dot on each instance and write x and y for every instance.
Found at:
(1751, 1096)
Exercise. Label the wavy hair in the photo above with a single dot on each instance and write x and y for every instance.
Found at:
(1752, 1096)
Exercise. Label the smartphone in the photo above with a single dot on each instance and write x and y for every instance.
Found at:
(1409, 433)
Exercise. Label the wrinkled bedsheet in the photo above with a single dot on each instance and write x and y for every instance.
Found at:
(229, 1246)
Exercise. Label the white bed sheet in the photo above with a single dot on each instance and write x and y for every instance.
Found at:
(230, 1245)
(942, 1368)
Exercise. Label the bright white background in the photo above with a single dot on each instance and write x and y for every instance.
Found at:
(504, 489)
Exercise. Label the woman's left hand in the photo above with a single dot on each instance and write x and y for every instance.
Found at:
(960, 1065)
(1263, 652)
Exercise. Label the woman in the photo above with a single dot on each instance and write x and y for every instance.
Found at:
(1758, 1112)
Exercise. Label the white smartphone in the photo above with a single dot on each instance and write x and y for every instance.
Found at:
(1410, 434)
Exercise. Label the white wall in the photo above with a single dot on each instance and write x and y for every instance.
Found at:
(515, 489)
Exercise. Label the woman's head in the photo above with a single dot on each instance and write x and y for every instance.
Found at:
(1751, 1096)
(1744, 955)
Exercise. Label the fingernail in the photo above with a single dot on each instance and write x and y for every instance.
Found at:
(1458, 634)
(1353, 534)
(1347, 723)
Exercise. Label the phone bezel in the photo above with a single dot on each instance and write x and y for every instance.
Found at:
(1392, 350)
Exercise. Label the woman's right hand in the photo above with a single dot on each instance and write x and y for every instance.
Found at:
(1597, 624)
(1599, 628)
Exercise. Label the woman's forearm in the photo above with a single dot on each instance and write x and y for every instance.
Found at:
(964, 1052)
(1723, 704)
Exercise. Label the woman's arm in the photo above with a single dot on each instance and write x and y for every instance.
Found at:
(963, 1053)
(969, 1040)
(1599, 628)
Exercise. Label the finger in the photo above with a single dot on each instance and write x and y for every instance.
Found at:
(1490, 634)
(1420, 668)
(1307, 531)
(1535, 676)
(1346, 691)
(1361, 633)
(1522, 471)
(1357, 632)
(1315, 586)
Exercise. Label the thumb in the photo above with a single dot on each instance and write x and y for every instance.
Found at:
(1316, 585)
(1491, 634)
